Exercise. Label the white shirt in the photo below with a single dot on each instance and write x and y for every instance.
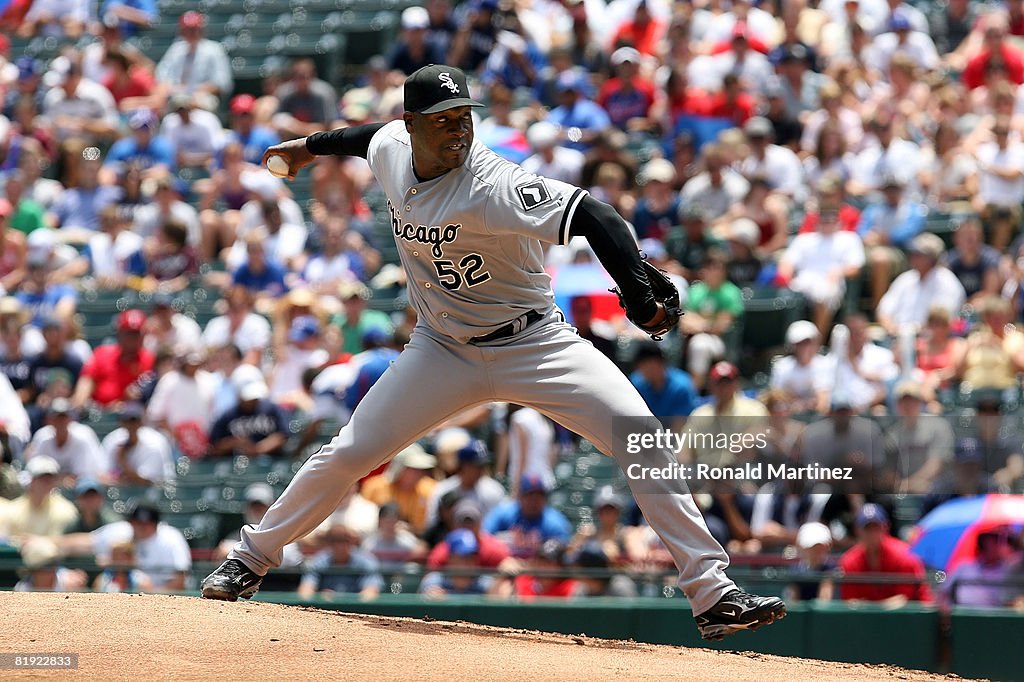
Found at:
(716, 200)
(535, 458)
(566, 165)
(289, 368)
(820, 254)
(901, 159)
(849, 124)
(109, 257)
(185, 335)
(81, 456)
(179, 399)
(203, 133)
(909, 297)
(149, 218)
(996, 190)
(12, 412)
(91, 100)
(150, 458)
(487, 493)
(803, 382)
(782, 168)
(254, 332)
(919, 47)
(323, 269)
(159, 557)
(760, 24)
(706, 72)
(872, 360)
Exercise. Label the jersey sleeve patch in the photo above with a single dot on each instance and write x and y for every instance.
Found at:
(533, 194)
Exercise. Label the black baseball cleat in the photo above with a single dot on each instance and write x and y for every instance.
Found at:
(231, 580)
(737, 611)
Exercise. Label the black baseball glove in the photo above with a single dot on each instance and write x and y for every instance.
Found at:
(666, 294)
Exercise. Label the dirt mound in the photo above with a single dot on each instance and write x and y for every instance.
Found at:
(134, 637)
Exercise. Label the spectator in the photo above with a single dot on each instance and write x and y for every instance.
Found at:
(302, 352)
(406, 482)
(923, 444)
(54, 355)
(379, 99)
(339, 259)
(12, 251)
(131, 15)
(42, 570)
(162, 553)
(476, 37)
(260, 274)
(355, 320)
(78, 107)
(867, 371)
(278, 217)
(253, 137)
(878, 552)
(55, 19)
(120, 573)
(1000, 184)
(818, 265)
(414, 47)
(657, 209)
(690, 244)
(195, 65)
(884, 157)
(668, 391)
(982, 581)
(598, 332)
(114, 372)
(72, 445)
(531, 447)
(926, 284)
(713, 306)
(627, 97)
(378, 354)
(550, 158)
(993, 354)
(950, 173)
(996, 52)
(887, 227)
(41, 293)
(936, 351)
(392, 545)
(728, 412)
(194, 135)
(833, 115)
(361, 574)
(580, 118)
(258, 498)
(42, 510)
(239, 326)
(111, 254)
(467, 514)
(777, 163)
(167, 328)
(974, 263)
(169, 263)
(813, 541)
(167, 205)
(139, 455)
(527, 522)
(132, 86)
(968, 476)
(541, 576)
(902, 39)
(717, 187)
(23, 213)
(464, 555)
(769, 212)
(470, 481)
(77, 212)
(593, 557)
(306, 103)
(805, 376)
(608, 533)
(92, 512)
(14, 364)
(255, 427)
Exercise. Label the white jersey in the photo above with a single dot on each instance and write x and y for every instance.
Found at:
(460, 235)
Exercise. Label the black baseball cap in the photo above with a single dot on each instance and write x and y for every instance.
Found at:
(436, 88)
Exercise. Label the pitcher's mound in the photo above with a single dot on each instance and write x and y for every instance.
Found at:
(149, 637)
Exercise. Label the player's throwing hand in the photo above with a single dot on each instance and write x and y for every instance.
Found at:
(294, 153)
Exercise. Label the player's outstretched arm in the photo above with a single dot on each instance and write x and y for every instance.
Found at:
(300, 152)
(615, 247)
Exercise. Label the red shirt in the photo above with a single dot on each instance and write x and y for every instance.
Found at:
(738, 111)
(114, 374)
(974, 74)
(848, 218)
(528, 586)
(492, 552)
(895, 558)
(138, 84)
(644, 38)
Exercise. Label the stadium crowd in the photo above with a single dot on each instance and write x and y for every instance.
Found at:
(863, 156)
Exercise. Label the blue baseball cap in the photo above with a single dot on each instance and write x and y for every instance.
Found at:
(899, 22)
(968, 450)
(462, 542)
(303, 327)
(532, 483)
(473, 452)
(142, 118)
(86, 484)
(871, 513)
(28, 67)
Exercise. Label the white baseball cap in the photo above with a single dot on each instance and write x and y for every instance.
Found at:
(811, 534)
(801, 330)
(657, 170)
(42, 465)
(625, 54)
(415, 17)
(542, 134)
(745, 230)
(254, 390)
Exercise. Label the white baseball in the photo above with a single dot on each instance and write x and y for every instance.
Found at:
(277, 166)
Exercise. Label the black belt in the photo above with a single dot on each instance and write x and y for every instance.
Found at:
(514, 327)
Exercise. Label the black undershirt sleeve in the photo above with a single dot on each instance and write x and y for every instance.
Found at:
(353, 141)
(615, 247)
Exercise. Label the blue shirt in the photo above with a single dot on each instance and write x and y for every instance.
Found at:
(585, 114)
(271, 280)
(677, 397)
(372, 369)
(364, 565)
(900, 223)
(253, 144)
(522, 535)
(127, 151)
(148, 7)
(78, 207)
(44, 304)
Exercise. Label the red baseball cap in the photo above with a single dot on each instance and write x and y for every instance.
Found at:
(5, 208)
(242, 104)
(723, 370)
(131, 321)
(192, 19)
